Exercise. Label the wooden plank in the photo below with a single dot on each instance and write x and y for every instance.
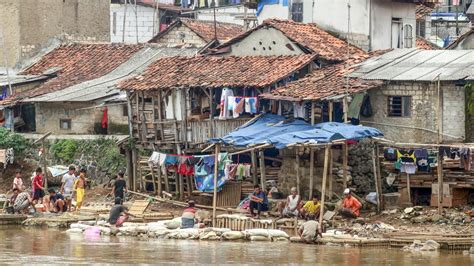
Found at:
(297, 165)
(138, 207)
(216, 173)
(262, 170)
(253, 156)
(323, 185)
(311, 172)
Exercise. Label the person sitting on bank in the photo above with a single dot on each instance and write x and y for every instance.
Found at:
(188, 218)
(311, 208)
(309, 230)
(57, 202)
(118, 214)
(350, 206)
(292, 206)
(22, 202)
(258, 201)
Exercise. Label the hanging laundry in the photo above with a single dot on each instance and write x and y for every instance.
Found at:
(226, 92)
(230, 103)
(465, 158)
(105, 118)
(298, 110)
(251, 105)
(184, 168)
(390, 154)
(238, 107)
(204, 174)
(355, 105)
(408, 167)
(406, 156)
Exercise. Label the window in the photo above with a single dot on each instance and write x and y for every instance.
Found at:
(396, 33)
(124, 110)
(297, 12)
(421, 28)
(65, 124)
(408, 36)
(399, 106)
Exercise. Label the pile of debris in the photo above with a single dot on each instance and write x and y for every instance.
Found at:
(417, 245)
(418, 214)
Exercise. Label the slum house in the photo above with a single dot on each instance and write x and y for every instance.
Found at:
(423, 108)
(196, 33)
(178, 103)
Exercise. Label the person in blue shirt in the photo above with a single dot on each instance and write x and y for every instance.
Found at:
(258, 201)
(57, 201)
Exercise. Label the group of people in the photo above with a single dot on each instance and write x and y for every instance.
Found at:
(72, 184)
(310, 210)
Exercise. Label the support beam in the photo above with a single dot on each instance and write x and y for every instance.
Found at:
(379, 175)
(253, 156)
(312, 113)
(311, 173)
(330, 174)
(439, 170)
(153, 179)
(211, 116)
(331, 111)
(159, 175)
(345, 166)
(323, 188)
(297, 166)
(216, 172)
(263, 177)
(408, 188)
(377, 179)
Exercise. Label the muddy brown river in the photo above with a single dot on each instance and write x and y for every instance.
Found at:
(47, 246)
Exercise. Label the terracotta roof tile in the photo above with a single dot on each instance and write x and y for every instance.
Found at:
(309, 36)
(422, 11)
(79, 63)
(213, 71)
(205, 29)
(422, 43)
(324, 82)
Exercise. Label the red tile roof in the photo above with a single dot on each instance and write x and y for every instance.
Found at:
(213, 71)
(79, 63)
(424, 44)
(309, 36)
(322, 83)
(205, 29)
(422, 11)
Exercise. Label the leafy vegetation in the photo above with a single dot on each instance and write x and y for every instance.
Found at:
(12, 140)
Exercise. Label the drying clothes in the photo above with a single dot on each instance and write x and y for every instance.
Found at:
(171, 160)
(465, 157)
(390, 154)
(298, 110)
(423, 165)
(226, 92)
(421, 154)
(445, 151)
(105, 118)
(231, 103)
(238, 107)
(406, 156)
(251, 105)
(185, 169)
(408, 167)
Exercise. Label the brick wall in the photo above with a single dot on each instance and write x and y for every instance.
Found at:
(141, 24)
(421, 125)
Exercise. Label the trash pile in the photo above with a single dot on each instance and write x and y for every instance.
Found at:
(418, 214)
(170, 229)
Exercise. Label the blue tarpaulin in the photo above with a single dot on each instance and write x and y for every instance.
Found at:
(281, 132)
(263, 3)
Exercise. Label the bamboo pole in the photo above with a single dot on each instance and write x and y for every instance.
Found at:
(216, 173)
(311, 172)
(408, 187)
(330, 174)
(331, 111)
(160, 188)
(312, 114)
(297, 165)
(262, 170)
(379, 175)
(323, 188)
(377, 180)
(253, 156)
(153, 179)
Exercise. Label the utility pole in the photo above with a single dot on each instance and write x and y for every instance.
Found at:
(124, 20)
(215, 22)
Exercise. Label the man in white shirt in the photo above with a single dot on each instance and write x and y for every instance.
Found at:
(309, 230)
(67, 187)
(18, 182)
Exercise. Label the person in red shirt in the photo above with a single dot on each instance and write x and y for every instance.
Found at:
(350, 205)
(38, 189)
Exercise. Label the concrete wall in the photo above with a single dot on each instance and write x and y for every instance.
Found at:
(144, 21)
(229, 14)
(10, 23)
(30, 24)
(264, 41)
(181, 36)
(423, 112)
(83, 117)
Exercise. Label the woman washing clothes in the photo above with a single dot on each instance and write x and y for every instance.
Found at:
(188, 218)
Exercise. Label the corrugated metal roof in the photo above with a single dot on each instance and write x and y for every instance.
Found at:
(20, 79)
(419, 65)
(104, 87)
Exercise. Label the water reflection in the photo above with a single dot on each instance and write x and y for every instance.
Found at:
(44, 246)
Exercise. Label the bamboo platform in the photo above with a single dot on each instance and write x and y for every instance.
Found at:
(11, 219)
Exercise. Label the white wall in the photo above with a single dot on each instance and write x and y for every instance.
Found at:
(144, 23)
(273, 11)
(225, 14)
(265, 42)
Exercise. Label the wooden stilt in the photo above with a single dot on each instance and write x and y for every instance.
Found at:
(135, 170)
(297, 166)
(323, 185)
(253, 156)
(263, 178)
(330, 174)
(216, 172)
(408, 188)
(167, 182)
(153, 179)
(379, 175)
(331, 111)
(345, 159)
(311, 173)
(377, 180)
(190, 185)
(159, 174)
(439, 169)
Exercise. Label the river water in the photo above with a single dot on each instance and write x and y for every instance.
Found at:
(47, 246)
